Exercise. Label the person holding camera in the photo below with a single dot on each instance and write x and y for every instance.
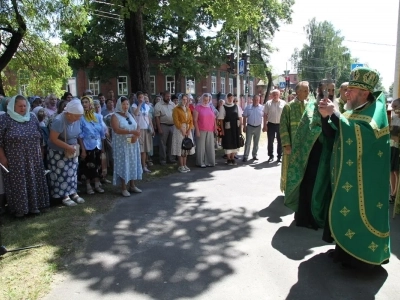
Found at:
(183, 122)
(141, 111)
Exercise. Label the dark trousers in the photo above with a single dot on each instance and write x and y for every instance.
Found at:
(273, 131)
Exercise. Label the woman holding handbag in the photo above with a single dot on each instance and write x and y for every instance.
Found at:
(183, 122)
(63, 152)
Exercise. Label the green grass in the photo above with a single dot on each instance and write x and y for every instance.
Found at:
(62, 231)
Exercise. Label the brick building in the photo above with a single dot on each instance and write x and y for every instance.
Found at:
(218, 80)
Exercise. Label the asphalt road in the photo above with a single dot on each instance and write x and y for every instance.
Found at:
(215, 233)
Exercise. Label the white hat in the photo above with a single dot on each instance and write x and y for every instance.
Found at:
(74, 107)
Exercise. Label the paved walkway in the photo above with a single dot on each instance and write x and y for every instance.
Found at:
(216, 233)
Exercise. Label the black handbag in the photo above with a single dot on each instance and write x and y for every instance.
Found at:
(187, 143)
(241, 140)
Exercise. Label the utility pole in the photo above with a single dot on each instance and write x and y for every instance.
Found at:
(247, 69)
(396, 85)
(237, 66)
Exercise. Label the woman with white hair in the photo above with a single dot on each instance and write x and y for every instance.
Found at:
(205, 125)
(63, 152)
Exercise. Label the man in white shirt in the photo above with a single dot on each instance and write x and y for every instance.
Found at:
(272, 116)
(252, 120)
(141, 114)
(165, 126)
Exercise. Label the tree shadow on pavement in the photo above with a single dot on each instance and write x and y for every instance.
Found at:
(296, 242)
(265, 165)
(320, 278)
(163, 244)
(275, 211)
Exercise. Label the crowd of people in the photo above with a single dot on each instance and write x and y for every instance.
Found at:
(47, 147)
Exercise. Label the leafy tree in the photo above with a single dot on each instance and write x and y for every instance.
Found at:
(42, 18)
(323, 54)
(379, 86)
(391, 90)
(44, 67)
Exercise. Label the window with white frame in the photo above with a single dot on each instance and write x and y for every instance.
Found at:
(190, 85)
(223, 85)
(71, 86)
(170, 84)
(243, 92)
(123, 85)
(94, 86)
(213, 84)
(231, 85)
(251, 88)
(152, 84)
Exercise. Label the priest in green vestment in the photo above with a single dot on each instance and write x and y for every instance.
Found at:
(360, 166)
(290, 118)
(307, 190)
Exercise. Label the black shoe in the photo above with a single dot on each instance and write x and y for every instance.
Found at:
(236, 157)
(279, 160)
(255, 158)
(244, 159)
(271, 158)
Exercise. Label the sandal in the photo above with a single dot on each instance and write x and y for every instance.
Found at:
(90, 191)
(68, 202)
(99, 190)
(78, 199)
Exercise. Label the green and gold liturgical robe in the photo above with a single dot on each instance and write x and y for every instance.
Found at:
(290, 118)
(360, 168)
(308, 132)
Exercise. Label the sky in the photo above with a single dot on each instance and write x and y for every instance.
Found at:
(361, 22)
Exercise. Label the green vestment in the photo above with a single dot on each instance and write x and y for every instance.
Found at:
(360, 168)
(308, 132)
(290, 118)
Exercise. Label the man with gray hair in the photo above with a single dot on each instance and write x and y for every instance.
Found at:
(341, 101)
(252, 120)
(272, 118)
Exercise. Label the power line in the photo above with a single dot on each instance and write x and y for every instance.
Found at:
(352, 41)
(106, 3)
(106, 12)
(104, 16)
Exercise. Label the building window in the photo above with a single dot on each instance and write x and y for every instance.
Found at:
(170, 84)
(123, 85)
(152, 84)
(244, 91)
(213, 84)
(251, 88)
(190, 85)
(222, 85)
(94, 86)
(231, 85)
(71, 86)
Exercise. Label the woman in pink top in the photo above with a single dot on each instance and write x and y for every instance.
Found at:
(205, 126)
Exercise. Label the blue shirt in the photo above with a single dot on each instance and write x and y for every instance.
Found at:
(73, 130)
(254, 114)
(92, 133)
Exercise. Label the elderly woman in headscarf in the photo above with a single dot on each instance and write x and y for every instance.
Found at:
(126, 148)
(91, 140)
(97, 106)
(205, 125)
(51, 105)
(21, 155)
(63, 154)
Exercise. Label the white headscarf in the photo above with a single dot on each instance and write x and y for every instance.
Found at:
(118, 106)
(74, 107)
(209, 98)
(16, 116)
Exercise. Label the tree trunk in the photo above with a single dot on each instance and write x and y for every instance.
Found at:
(2, 92)
(178, 81)
(138, 59)
(269, 85)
